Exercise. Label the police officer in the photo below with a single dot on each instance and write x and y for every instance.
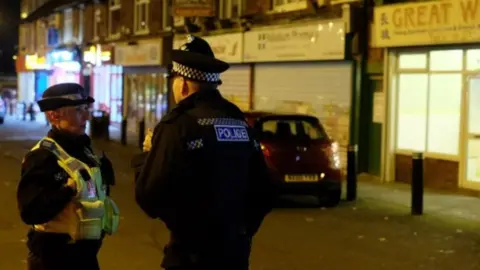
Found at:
(205, 176)
(62, 191)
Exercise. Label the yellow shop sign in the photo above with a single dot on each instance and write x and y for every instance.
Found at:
(426, 23)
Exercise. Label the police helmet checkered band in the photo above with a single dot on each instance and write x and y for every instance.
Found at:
(195, 74)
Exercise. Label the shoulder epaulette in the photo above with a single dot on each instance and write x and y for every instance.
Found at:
(47, 145)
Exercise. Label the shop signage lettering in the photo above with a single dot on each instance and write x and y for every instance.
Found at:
(287, 36)
(316, 41)
(436, 22)
(228, 48)
(146, 54)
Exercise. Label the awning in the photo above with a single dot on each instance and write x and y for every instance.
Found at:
(50, 7)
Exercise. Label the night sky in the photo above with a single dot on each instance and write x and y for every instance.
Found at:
(9, 19)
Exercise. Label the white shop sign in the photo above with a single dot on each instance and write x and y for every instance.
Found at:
(323, 40)
(228, 48)
(142, 54)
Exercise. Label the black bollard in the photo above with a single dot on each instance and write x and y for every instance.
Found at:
(123, 132)
(417, 184)
(352, 173)
(141, 133)
(106, 126)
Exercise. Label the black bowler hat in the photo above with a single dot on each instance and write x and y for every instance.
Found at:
(196, 61)
(63, 95)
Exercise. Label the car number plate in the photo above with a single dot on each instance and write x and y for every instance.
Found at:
(301, 178)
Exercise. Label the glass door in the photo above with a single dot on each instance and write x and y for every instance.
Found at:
(473, 132)
(132, 95)
(150, 100)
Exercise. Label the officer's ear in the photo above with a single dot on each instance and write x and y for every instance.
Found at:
(185, 86)
(54, 116)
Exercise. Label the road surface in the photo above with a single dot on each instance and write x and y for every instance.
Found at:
(365, 235)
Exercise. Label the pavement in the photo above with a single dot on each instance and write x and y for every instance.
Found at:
(374, 232)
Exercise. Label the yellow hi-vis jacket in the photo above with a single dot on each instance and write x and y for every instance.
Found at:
(91, 211)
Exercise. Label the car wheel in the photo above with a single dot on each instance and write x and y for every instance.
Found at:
(332, 199)
(2, 120)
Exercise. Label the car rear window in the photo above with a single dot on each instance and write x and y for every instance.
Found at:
(292, 128)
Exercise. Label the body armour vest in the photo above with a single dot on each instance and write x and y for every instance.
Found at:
(91, 211)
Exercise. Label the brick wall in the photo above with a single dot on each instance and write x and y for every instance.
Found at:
(439, 174)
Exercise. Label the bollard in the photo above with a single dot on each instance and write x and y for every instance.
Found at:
(106, 126)
(123, 132)
(141, 133)
(352, 173)
(417, 184)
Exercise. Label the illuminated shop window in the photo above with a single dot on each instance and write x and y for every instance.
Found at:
(444, 109)
(473, 59)
(448, 60)
(412, 61)
(412, 112)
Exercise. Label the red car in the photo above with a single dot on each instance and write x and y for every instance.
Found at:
(300, 154)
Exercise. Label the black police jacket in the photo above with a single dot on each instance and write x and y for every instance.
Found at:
(42, 195)
(205, 176)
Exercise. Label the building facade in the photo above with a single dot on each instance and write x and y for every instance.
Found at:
(430, 86)
(285, 56)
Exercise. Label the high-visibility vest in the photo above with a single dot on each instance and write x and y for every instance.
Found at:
(91, 211)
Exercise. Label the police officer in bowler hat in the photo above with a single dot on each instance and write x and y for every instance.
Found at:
(62, 193)
(203, 173)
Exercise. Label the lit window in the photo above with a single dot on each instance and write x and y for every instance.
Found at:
(412, 61)
(444, 109)
(473, 59)
(451, 60)
(141, 16)
(114, 21)
(67, 26)
(80, 26)
(97, 20)
(412, 112)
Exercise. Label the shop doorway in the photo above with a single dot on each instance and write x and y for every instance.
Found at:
(472, 133)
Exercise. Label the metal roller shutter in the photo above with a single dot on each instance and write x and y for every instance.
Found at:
(321, 89)
(236, 85)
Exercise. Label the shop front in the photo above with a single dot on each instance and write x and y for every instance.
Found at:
(66, 65)
(104, 81)
(301, 69)
(144, 83)
(26, 80)
(236, 82)
(33, 72)
(432, 86)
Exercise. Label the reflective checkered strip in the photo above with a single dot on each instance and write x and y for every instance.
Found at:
(195, 144)
(195, 74)
(221, 121)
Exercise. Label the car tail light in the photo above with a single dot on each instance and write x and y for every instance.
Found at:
(334, 155)
(265, 150)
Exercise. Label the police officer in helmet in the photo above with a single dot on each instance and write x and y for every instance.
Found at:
(62, 193)
(203, 174)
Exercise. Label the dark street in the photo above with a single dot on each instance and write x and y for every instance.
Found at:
(367, 235)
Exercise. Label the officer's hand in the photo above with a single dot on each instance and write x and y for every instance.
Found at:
(147, 143)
